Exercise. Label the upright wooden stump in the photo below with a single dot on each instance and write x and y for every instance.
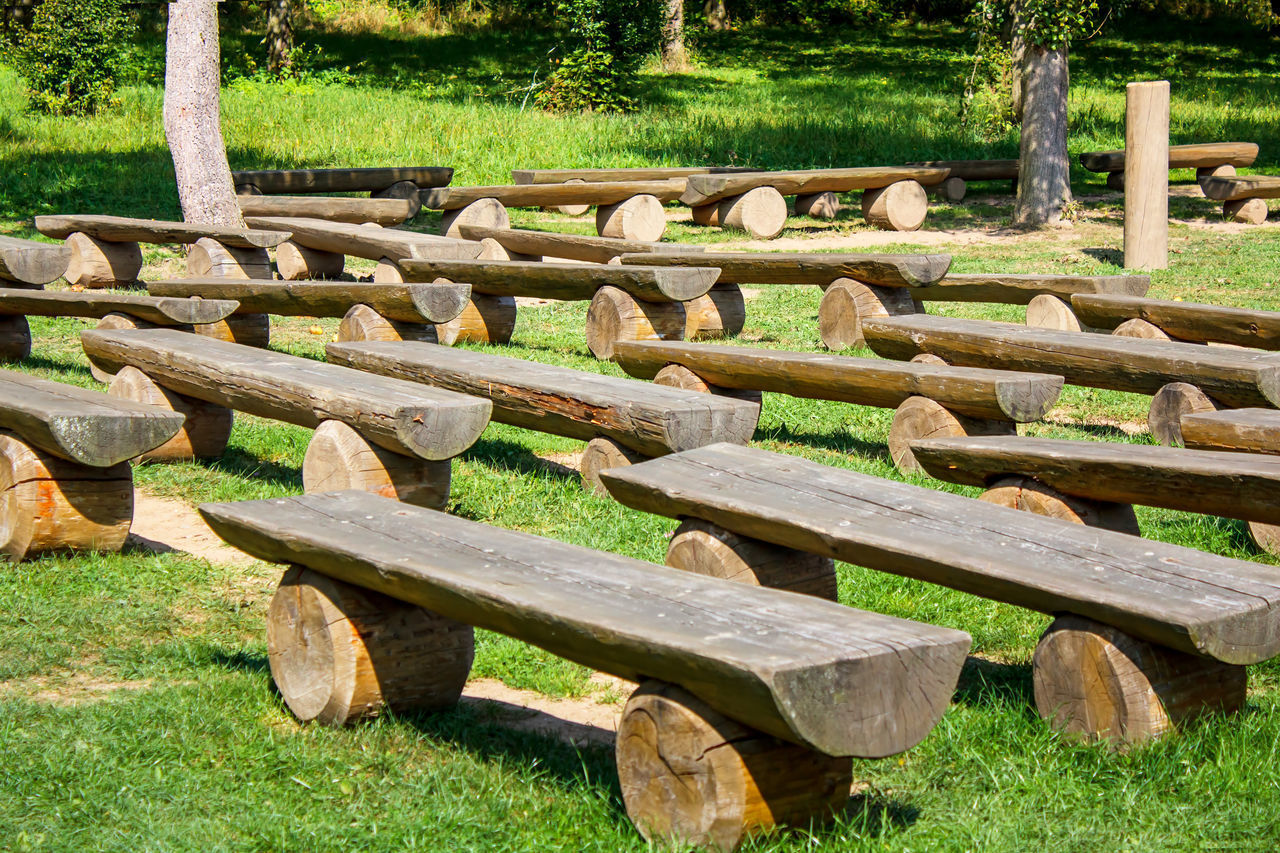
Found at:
(362, 323)
(690, 775)
(340, 653)
(1146, 176)
(818, 205)
(204, 433)
(846, 303)
(98, 263)
(706, 214)
(15, 338)
(296, 262)
(1250, 211)
(920, 417)
(485, 212)
(1029, 495)
(1168, 406)
(707, 549)
(50, 504)
(1047, 311)
(679, 376)
(640, 217)
(340, 458)
(761, 212)
(901, 206)
(251, 330)
(718, 313)
(207, 258)
(615, 315)
(601, 455)
(1096, 682)
(485, 320)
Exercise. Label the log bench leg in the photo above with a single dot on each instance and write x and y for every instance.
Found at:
(679, 376)
(1029, 495)
(1169, 404)
(406, 190)
(15, 338)
(340, 458)
(818, 205)
(115, 321)
(708, 549)
(1047, 311)
(615, 315)
(1099, 683)
(207, 258)
(570, 209)
(205, 431)
(920, 417)
(387, 272)
(640, 217)
(362, 323)
(1265, 536)
(691, 776)
(1251, 211)
(1115, 181)
(1205, 172)
(485, 320)
(98, 263)
(601, 455)
(719, 313)
(1136, 327)
(484, 212)
(51, 504)
(340, 653)
(846, 303)
(492, 250)
(295, 262)
(761, 212)
(901, 206)
(952, 190)
(250, 330)
(706, 214)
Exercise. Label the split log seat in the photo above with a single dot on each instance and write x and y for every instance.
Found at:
(960, 173)
(379, 181)
(1243, 198)
(357, 211)
(1183, 377)
(820, 268)
(750, 703)
(30, 263)
(105, 250)
(644, 173)
(383, 435)
(1209, 159)
(930, 399)
(1145, 634)
(622, 420)
(522, 244)
(1238, 431)
(1183, 321)
(65, 480)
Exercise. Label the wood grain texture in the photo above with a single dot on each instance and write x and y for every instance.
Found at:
(403, 417)
(30, 262)
(596, 193)
(1170, 405)
(160, 310)
(1020, 289)
(615, 316)
(975, 170)
(812, 672)
(1240, 187)
(705, 549)
(640, 217)
(703, 189)
(282, 181)
(846, 301)
(98, 263)
(1188, 321)
(205, 426)
(367, 241)
(761, 212)
(1052, 312)
(340, 458)
(921, 417)
(601, 454)
(484, 320)
(1239, 430)
(1185, 599)
(567, 281)
(1195, 156)
(486, 212)
(818, 268)
(560, 176)
(362, 323)
(1146, 175)
(357, 211)
(408, 303)
(1030, 495)
(575, 247)
(122, 229)
(720, 313)
(901, 206)
(209, 258)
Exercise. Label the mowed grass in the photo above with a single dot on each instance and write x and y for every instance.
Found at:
(136, 707)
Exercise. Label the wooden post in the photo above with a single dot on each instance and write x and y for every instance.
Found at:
(1146, 176)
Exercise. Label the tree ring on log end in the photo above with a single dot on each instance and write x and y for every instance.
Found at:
(339, 458)
(1168, 406)
(1030, 495)
(615, 315)
(601, 455)
(206, 427)
(708, 549)
(846, 303)
(485, 320)
(920, 417)
(640, 217)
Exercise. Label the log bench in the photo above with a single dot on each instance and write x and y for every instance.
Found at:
(386, 182)
(30, 263)
(894, 198)
(105, 250)
(383, 435)
(1209, 159)
(65, 480)
(1243, 198)
(960, 173)
(929, 399)
(356, 211)
(1145, 635)
(622, 420)
(1182, 377)
(643, 173)
(1238, 431)
(1167, 320)
(524, 245)
(750, 701)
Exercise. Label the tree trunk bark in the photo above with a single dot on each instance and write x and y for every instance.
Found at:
(1044, 172)
(192, 118)
(716, 14)
(279, 34)
(1017, 55)
(674, 57)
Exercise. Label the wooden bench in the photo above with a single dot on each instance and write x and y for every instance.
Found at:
(622, 420)
(893, 199)
(31, 263)
(1145, 634)
(750, 700)
(356, 211)
(960, 173)
(391, 182)
(105, 250)
(1209, 159)
(382, 435)
(1238, 431)
(65, 480)
(1166, 320)
(1182, 377)
(524, 245)
(644, 173)
(930, 399)
(1243, 198)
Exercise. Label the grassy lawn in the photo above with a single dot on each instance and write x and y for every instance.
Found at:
(136, 709)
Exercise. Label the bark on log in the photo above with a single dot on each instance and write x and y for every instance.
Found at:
(614, 315)
(1044, 174)
(640, 217)
(205, 427)
(707, 549)
(340, 458)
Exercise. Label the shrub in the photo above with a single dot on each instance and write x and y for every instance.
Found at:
(73, 54)
(603, 44)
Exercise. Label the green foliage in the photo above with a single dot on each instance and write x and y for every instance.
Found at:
(986, 108)
(603, 43)
(73, 54)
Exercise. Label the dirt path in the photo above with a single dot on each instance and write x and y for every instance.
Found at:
(163, 525)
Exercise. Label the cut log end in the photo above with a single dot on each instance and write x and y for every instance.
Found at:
(707, 549)
(920, 417)
(570, 209)
(601, 455)
(207, 258)
(1095, 682)
(614, 315)
(1250, 211)
(719, 313)
(339, 458)
(901, 206)
(689, 775)
(250, 330)
(98, 263)
(15, 338)
(846, 303)
(1028, 495)
(485, 320)
(113, 322)
(679, 376)
(1169, 405)
(952, 190)
(300, 263)
(362, 323)
(387, 272)
(640, 217)
(1047, 311)
(339, 653)
(825, 205)
(1136, 327)
(1115, 181)
(761, 212)
(1266, 537)
(484, 213)
(204, 431)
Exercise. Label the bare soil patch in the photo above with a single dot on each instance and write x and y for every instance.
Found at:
(163, 525)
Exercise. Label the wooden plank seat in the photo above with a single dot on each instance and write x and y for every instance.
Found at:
(370, 180)
(105, 250)
(1243, 197)
(622, 420)
(65, 480)
(820, 268)
(962, 172)
(1238, 431)
(1145, 634)
(750, 700)
(660, 173)
(31, 263)
(893, 199)
(1164, 319)
(930, 399)
(525, 245)
(357, 211)
(1182, 377)
(379, 434)
(1209, 159)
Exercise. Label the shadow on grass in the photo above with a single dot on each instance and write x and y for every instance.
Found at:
(244, 464)
(253, 664)
(986, 683)
(509, 456)
(839, 442)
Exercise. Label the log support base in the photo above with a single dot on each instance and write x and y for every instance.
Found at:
(485, 212)
(615, 315)
(707, 549)
(951, 191)
(98, 263)
(920, 417)
(300, 263)
(679, 376)
(485, 320)
(640, 217)
(1168, 406)
(691, 776)
(706, 214)
(15, 338)
(114, 321)
(1029, 495)
(204, 433)
(251, 330)
(1047, 311)
(340, 653)
(719, 313)
(362, 323)
(569, 209)
(1250, 211)
(601, 455)
(387, 272)
(1115, 181)
(340, 458)
(207, 258)
(846, 303)
(1265, 536)
(818, 205)
(761, 212)
(901, 206)
(1095, 682)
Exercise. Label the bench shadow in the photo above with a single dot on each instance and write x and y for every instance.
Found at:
(253, 664)
(241, 463)
(986, 683)
(874, 813)
(509, 456)
(839, 442)
(1114, 257)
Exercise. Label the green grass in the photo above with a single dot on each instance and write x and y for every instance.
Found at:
(136, 707)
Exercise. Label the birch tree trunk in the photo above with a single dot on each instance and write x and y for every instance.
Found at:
(279, 34)
(1044, 171)
(192, 118)
(674, 57)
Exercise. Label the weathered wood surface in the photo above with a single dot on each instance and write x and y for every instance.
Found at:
(1028, 495)
(162, 310)
(546, 195)
(121, 229)
(901, 206)
(407, 303)
(704, 189)
(358, 211)
(1237, 378)
(1146, 175)
(644, 417)
(1242, 187)
(817, 268)
(975, 170)
(1178, 597)
(1018, 289)
(1188, 321)
(400, 416)
(813, 672)
(1231, 485)
(576, 247)
(31, 262)
(1180, 156)
(205, 426)
(567, 281)
(972, 391)
(283, 181)
(615, 315)
(368, 241)
(560, 176)
(1240, 430)
(80, 425)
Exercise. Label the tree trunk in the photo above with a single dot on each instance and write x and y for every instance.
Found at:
(1044, 172)
(279, 34)
(1017, 55)
(674, 57)
(192, 118)
(716, 14)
